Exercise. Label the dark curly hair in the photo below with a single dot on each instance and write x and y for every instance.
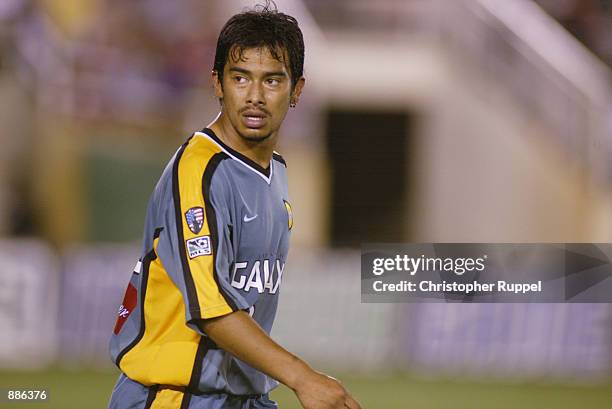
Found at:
(263, 26)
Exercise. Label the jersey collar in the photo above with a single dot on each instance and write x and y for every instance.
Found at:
(265, 174)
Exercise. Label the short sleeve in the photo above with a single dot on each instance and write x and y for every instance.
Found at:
(197, 250)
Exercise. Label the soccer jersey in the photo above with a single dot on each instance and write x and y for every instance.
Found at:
(216, 240)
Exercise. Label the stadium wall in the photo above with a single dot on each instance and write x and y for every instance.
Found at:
(60, 309)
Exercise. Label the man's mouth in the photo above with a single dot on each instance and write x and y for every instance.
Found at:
(253, 119)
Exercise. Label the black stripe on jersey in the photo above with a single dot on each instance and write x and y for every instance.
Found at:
(186, 400)
(279, 158)
(192, 295)
(240, 156)
(197, 365)
(146, 262)
(231, 237)
(151, 396)
(212, 219)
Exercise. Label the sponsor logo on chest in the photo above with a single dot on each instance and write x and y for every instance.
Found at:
(261, 275)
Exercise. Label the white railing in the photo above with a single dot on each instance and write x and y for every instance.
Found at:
(509, 45)
(550, 75)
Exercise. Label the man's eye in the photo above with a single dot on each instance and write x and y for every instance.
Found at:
(273, 81)
(240, 80)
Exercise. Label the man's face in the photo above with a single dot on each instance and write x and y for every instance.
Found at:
(256, 93)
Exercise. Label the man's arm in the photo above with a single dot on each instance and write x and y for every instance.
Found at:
(238, 334)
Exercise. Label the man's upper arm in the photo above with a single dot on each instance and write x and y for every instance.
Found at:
(195, 249)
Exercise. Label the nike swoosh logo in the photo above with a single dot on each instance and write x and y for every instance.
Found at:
(247, 219)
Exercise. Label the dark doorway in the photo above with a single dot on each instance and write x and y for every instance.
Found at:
(368, 154)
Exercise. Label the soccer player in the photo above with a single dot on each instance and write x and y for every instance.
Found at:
(193, 328)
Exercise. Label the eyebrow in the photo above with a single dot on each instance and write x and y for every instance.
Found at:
(267, 74)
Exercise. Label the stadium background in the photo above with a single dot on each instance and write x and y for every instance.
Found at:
(421, 121)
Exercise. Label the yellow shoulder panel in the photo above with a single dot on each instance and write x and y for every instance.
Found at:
(199, 236)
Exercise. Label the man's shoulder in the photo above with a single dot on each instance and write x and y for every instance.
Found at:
(198, 157)
(279, 158)
(199, 150)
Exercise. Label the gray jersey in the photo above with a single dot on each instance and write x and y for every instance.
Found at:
(216, 240)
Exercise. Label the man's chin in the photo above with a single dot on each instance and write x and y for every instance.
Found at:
(255, 135)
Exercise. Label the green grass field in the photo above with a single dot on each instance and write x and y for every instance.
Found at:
(90, 390)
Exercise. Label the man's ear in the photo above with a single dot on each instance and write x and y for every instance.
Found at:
(217, 84)
(297, 90)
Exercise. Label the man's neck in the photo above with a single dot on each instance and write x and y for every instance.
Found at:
(260, 152)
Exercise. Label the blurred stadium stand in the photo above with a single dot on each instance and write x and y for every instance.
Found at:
(488, 122)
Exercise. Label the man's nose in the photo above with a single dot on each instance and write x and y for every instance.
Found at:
(256, 94)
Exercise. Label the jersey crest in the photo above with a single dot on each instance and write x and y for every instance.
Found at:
(195, 219)
(289, 214)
